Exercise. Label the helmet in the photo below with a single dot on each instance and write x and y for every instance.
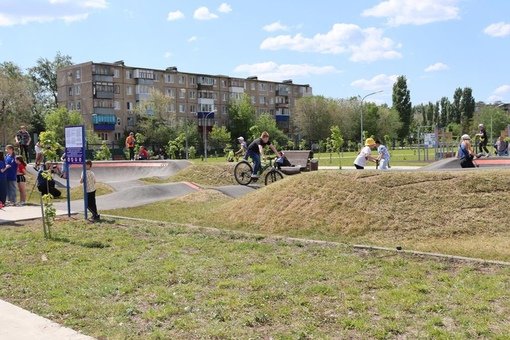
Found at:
(369, 141)
(465, 137)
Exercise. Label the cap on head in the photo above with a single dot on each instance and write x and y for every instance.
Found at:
(369, 141)
(480, 125)
(465, 137)
(240, 138)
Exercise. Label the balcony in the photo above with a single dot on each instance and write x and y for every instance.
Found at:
(102, 77)
(104, 122)
(104, 111)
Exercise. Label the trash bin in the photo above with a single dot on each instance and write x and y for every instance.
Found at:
(314, 165)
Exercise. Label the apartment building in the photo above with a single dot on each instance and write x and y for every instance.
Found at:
(106, 95)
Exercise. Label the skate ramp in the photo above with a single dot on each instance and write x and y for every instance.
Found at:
(482, 162)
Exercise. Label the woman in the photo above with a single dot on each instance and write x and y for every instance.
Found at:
(466, 153)
(364, 155)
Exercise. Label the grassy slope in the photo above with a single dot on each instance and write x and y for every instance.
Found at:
(460, 213)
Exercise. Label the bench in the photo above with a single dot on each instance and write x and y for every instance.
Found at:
(300, 160)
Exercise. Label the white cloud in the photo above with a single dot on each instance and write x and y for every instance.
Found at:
(26, 12)
(367, 44)
(275, 72)
(378, 82)
(414, 12)
(225, 8)
(192, 39)
(437, 67)
(176, 15)
(499, 29)
(203, 13)
(275, 26)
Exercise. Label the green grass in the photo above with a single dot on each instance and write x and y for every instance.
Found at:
(127, 279)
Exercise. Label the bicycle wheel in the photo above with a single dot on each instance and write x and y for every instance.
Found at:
(242, 172)
(273, 176)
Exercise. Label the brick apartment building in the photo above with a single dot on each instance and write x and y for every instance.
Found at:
(106, 95)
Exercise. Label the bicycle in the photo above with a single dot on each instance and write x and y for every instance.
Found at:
(243, 171)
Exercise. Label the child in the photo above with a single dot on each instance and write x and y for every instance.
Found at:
(91, 190)
(20, 178)
(38, 155)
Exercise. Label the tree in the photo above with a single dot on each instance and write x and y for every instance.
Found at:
(445, 116)
(241, 117)
(15, 100)
(467, 107)
(313, 117)
(45, 76)
(402, 104)
(266, 122)
(336, 141)
(57, 119)
(220, 137)
(456, 109)
(388, 123)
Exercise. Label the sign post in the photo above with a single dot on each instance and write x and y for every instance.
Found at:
(75, 154)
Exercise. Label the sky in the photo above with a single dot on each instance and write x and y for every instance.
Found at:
(340, 48)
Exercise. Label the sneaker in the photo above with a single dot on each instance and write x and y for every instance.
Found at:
(255, 176)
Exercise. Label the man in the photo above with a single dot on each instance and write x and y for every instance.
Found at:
(47, 185)
(383, 156)
(23, 141)
(130, 144)
(255, 149)
(11, 168)
(242, 147)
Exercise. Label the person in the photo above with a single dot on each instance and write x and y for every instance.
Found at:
(21, 180)
(466, 153)
(383, 157)
(91, 190)
(482, 145)
(63, 171)
(142, 153)
(501, 147)
(242, 147)
(10, 170)
(38, 154)
(365, 154)
(44, 185)
(255, 150)
(3, 181)
(23, 140)
(130, 144)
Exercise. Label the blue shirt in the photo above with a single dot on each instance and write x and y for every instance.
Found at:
(11, 172)
(3, 175)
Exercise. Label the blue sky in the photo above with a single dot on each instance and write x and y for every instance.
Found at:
(340, 48)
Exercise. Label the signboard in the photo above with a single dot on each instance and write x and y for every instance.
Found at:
(429, 139)
(75, 151)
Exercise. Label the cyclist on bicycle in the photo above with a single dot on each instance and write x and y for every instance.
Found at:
(255, 150)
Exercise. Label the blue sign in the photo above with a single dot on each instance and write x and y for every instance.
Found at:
(74, 155)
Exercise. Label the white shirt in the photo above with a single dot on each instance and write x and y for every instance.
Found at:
(91, 181)
(361, 160)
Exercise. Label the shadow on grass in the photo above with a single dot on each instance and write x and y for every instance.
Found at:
(86, 244)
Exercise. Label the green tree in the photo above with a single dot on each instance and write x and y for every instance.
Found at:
(103, 154)
(336, 142)
(16, 100)
(456, 107)
(241, 117)
(402, 104)
(467, 107)
(220, 138)
(388, 123)
(445, 116)
(266, 122)
(45, 76)
(57, 119)
(313, 117)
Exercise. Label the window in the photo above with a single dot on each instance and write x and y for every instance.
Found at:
(170, 92)
(192, 80)
(70, 90)
(182, 79)
(128, 74)
(192, 94)
(192, 108)
(225, 97)
(129, 105)
(253, 100)
(78, 105)
(117, 136)
(129, 90)
(253, 86)
(78, 74)
(182, 108)
(103, 135)
(116, 89)
(116, 105)
(169, 78)
(130, 121)
(116, 73)
(262, 100)
(182, 93)
(77, 90)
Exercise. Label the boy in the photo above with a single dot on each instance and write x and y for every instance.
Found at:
(91, 190)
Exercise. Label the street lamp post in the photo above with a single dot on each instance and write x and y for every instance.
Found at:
(204, 132)
(361, 114)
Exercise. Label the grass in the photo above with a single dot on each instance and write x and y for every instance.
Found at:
(129, 279)
(180, 278)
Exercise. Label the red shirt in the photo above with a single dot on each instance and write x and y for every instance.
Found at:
(21, 169)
